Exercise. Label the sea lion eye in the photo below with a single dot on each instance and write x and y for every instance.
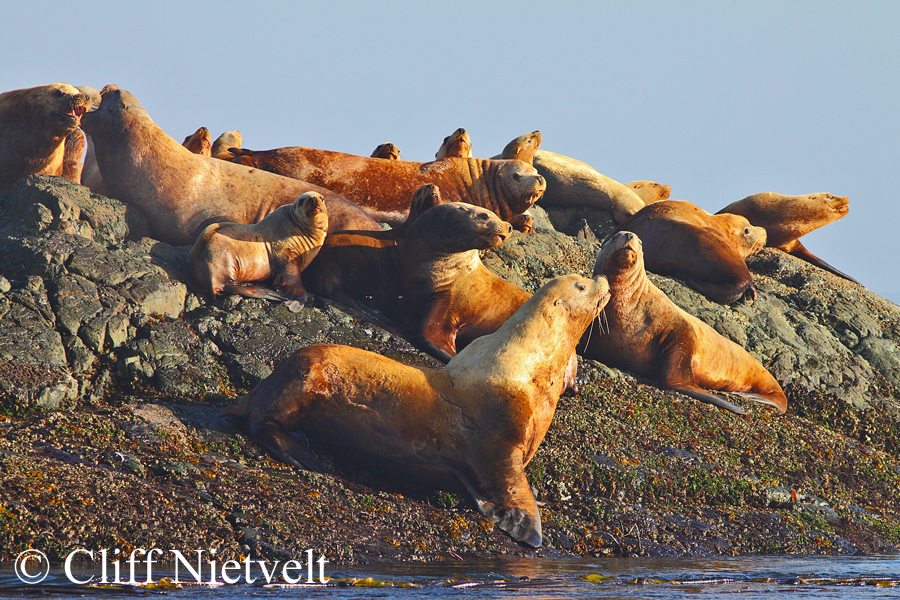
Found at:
(516, 176)
(556, 302)
(828, 196)
(581, 287)
(747, 231)
(59, 93)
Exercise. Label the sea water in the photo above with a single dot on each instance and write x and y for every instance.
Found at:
(819, 577)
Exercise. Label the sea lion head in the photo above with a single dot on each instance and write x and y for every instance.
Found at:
(521, 185)
(748, 238)
(387, 151)
(459, 227)
(118, 109)
(199, 142)
(569, 303)
(834, 207)
(56, 108)
(308, 212)
(650, 191)
(523, 147)
(457, 144)
(622, 252)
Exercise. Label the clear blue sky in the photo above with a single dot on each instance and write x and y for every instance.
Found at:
(717, 99)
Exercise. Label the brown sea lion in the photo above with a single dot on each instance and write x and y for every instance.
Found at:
(383, 187)
(386, 151)
(650, 336)
(72, 153)
(786, 218)
(708, 260)
(650, 191)
(361, 268)
(276, 249)
(181, 193)
(456, 145)
(571, 182)
(199, 142)
(473, 425)
(744, 237)
(221, 147)
(34, 124)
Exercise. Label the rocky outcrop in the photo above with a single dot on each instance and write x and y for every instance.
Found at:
(112, 374)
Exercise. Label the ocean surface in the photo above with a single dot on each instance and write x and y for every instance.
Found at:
(845, 577)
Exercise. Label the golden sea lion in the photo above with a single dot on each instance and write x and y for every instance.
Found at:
(34, 124)
(182, 193)
(221, 148)
(276, 249)
(650, 191)
(386, 151)
(457, 144)
(786, 218)
(473, 425)
(571, 182)
(684, 241)
(199, 142)
(383, 187)
(650, 336)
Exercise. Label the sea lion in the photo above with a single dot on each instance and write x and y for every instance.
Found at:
(181, 193)
(383, 187)
(277, 248)
(361, 268)
(786, 218)
(744, 237)
(651, 336)
(457, 144)
(681, 240)
(473, 425)
(650, 191)
(221, 147)
(199, 142)
(72, 153)
(34, 124)
(571, 182)
(386, 151)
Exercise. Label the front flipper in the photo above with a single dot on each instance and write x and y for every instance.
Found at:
(252, 290)
(286, 449)
(797, 249)
(503, 495)
(776, 400)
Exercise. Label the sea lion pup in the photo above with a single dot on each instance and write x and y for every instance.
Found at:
(199, 142)
(456, 145)
(277, 248)
(679, 241)
(383, 187)
(34, 124)
(181, 193)
(386, 151)
(72, 153)
(650, 336)
(475, 424)
(221, 148)
(650, 191)
(571, 182)
(786, 218)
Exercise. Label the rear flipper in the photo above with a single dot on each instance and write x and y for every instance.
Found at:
(703, 396)
(503, 495)
(252, 290)
(797, 249)
(286, 449)
(776, 400)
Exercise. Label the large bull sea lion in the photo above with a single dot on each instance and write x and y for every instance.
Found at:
(474, 424)
(383, 187)
(34, 124)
